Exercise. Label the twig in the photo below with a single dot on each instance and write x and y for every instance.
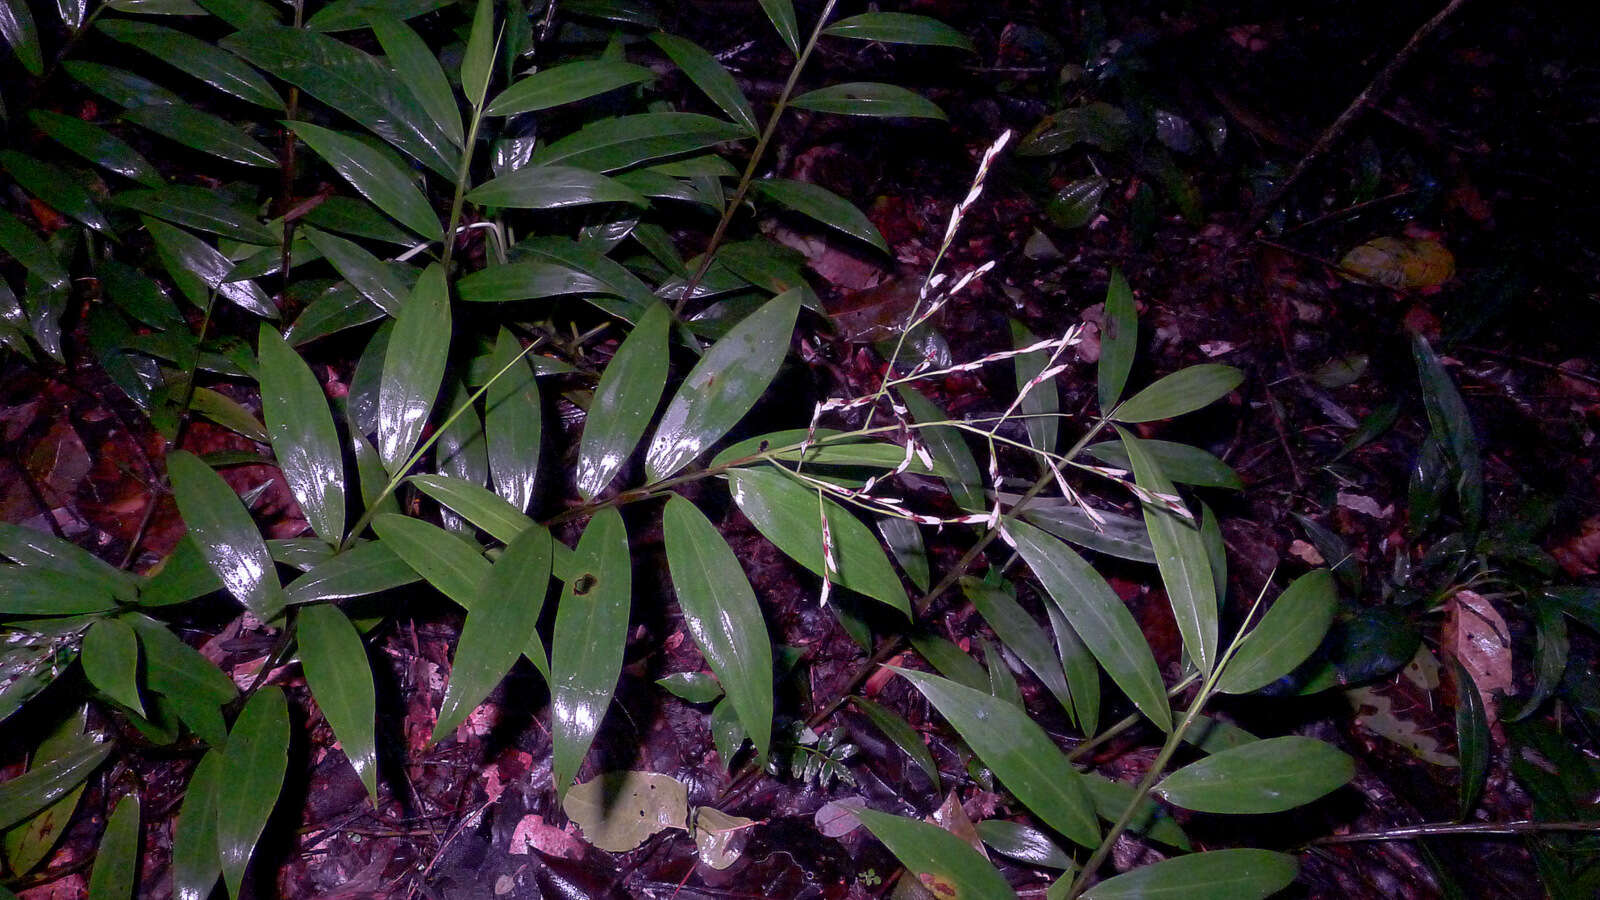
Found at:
(1432, 829)
(1537, 364)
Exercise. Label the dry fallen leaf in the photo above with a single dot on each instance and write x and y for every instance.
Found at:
(1401, 263)
(1476, 635)
(619, 810)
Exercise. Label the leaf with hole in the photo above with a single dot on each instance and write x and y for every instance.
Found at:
(618, 811)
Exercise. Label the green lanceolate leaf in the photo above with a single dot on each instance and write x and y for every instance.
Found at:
(590, 632)
(1018, 751)
(195, 862)
(949, 660)
(528, 281)
(25, 247)
(345, 15)
(899, 28)
(723, 385)
(946, 864)
(119, 86)
(478, 505)
(625, 141)
(28, 591)
(198, 269)
(43, 785)
(1179, 462)
(1083, 675)
(868, 98)
(904, 539)
(374, 278)
(612, 276)
(19, 30)
(710, 76)
(202, 59)
(226, 535)
(513, 423)
(360, 86)
(55, 187)
(303, 436)
(1181, 557)
(1243, 874)
(477, 63)
(204, 132)
(625, 402)
(1018, 630)
(499, 628)
(1023, 843)
(375, 175)
(363, 570)
(721, 614)
(781, 14)
(1472, 738)
(1042, 401)
(37, 549)
(200, 208)
(789, 514)
(413, 368)
(447, 562)
(1451, 424)
(1112, 799)
(897, 729)
(1098, 616)
(552, 187)
(1185, 390)
(1267, 776)
(252, 774)
(116, 860)
(1110, 533)
(185, 678)
(1285, 636)
(110, 659)
(566, 83)
(824, 206)
(948, 448)
(340, 678)
(356, 217)
(420, 70)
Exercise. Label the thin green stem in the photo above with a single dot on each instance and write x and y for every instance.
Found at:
(462, 173)
(1125, 723)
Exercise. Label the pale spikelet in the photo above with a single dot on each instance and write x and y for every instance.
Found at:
(829, 563)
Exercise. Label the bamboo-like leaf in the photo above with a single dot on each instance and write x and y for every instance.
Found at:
(478, 505)
(363, 570)
(200, 208)
(97, 145)
(1017, 629)
(374, 175)
(356, 217)
(1267, 776)
(1099, 617)
(624, 402)
(566, 83)
(721, 614)
(1018, 751)
(1472, 739)
(899, 28)
(1451, 424)
(303, 437)
(781, 14)
(590, 633)
(366, 273)
(420, 70)
(948, 448)
(477, 62)
(446, 561)
(942, 862)
(499, 628)
(1243, 874)
(789, 515)
(340, 678)
(229, 413)
(178, 672)
(195, 862)
(527, 281)
(33, 841)
(1043, 401)
(22, 33)
(1285, 636)
(204, 132)
(552, 187)
(513, 423)
(625, 141)
(252, 771)
(413, 368)
(898, 730)
(868, 98)
(110, 659)
(1082, 673)
(1110, 533)
(345, 15)
(824, 206)
(615, 277)
(1185, 390)
(43, 785)
(1179, 462)
(116, 859)
(31, 547)
(352, 82)
(1023, 843)
(198, 269)
(29, 591)
(225, 533)
(55, 187)
(904, 539)
(24, 246)
(202, 59)
(710, 76)
(119, 85)
(722, 387)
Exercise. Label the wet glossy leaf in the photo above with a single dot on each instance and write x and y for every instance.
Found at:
(721, 614)
(499, 628)
(413, 368)
(195, 861)
(229, 413)
(719, 838)
(24, 246)
(949, 660)
(1181, 558)
(1267, 776)
(374, 279)
(202, 59)
(781, 14)
(365, 569)
(789, 515)
(1179, 462)
(552, 187)
(1042, 402)
(344, 15)
(362, 87)
(420, 70)
(1243, 874)
(513, 422)
(941, 861)
(723, 385)
(1101, 124)
(1119, 341)
(1098, 616)
(1113, 534)
(1082, 672)
(1019, 753)
(710, 76)
(824, 206)
(1285, 637)
(31, 547)
(1472, 739)
(110, 659)
(32, 841)
(225, 533)
(375, 175)
(904, 539)
(566, 83)
(1021, 634)
(624, 141)
(1185, 390)
(199, 208)
(20, 31)
(693, 687)
(118, 85)
(624, 402)
(30, 591)
(356, 217)
(476, 504)
(618, 811)
(1077, 204)
(198, 269)
(192, 683)
(1451, 424)
(252, 772)
(527, 281)
(43, 785)
(586, 649)
(898, 730)
(446, 561)
(477, 62)
(303, 437)
(57, 188)
(115, 874)
(1024, 843)
(899, 28)
(340, 679)
(948, 448)
(204, 132)
(868, 98)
